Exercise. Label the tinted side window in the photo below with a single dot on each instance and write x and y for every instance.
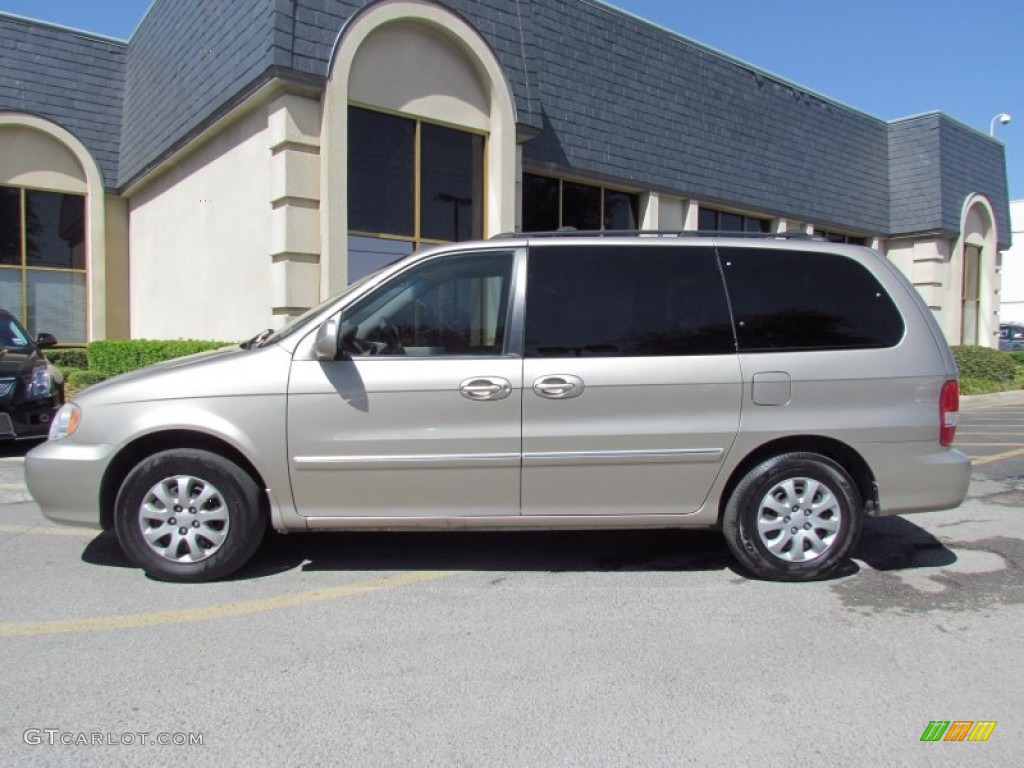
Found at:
(451, 305)
(615, 301)
(803, 300)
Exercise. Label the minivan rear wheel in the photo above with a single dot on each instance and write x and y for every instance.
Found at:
(793, 517)
(189, 515)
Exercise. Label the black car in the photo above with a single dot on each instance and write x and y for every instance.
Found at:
(31, 389)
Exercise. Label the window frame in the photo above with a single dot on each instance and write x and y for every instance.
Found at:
(24, 269)
(512, 338)
(603, 188)
(764, 224)
(416, 238)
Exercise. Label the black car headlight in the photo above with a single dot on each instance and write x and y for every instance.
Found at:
(40, 382)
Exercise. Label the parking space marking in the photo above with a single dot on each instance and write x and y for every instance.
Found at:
(222, 611)
(998, 457)
(49, 530)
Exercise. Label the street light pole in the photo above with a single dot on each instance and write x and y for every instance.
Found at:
(1002, 118)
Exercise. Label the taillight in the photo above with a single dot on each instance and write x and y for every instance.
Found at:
(949, 411)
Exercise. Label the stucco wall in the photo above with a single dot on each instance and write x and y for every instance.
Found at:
(1012, 306)
(200, 241)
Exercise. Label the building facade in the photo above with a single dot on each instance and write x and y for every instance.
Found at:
(1011, 295)
(235, 163)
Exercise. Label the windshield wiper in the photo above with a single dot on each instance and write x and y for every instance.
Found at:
(258, 339)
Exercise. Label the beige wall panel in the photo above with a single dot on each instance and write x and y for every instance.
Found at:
(33, 159)
(295, 174)
(206, 223)
(409, 68)
(117, 282)
(295, 229)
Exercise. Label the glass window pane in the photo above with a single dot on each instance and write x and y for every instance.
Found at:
(540, 203)
(805, 300)
(756, 225)
(10, 225)
(707, 219)
(601, 302)
(10, 292)
(368, 254)
(381, 150)
(451, 305)
(581, 206)
(451, 184)
(54, 230)
(56, 304)
(621, 210)
(730, 222)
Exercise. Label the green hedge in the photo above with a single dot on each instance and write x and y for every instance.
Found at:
(121, 355)
(79, 380)
(985, 364)
(68, 358)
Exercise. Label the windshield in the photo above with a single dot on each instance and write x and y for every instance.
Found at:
(299, 321)
(12, 335)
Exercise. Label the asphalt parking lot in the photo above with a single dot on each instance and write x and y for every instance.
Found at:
(525, 649)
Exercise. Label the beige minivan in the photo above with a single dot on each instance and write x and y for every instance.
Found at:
(777, 388)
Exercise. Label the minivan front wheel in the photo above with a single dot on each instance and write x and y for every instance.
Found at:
(189, 515)
(793, 517)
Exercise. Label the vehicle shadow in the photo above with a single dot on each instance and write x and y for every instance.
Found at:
(896, 544)
(550, 551)
(887, 544)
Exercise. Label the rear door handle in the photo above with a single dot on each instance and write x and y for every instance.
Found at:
(485, 388)
(560, 386)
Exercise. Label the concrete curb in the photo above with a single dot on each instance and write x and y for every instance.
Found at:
(1013, 396)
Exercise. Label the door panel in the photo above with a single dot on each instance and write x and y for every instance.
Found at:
(399, 438)
(423, 418)
(646, 435)
(631, 382)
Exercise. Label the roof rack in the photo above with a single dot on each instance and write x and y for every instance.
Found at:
(573, 232)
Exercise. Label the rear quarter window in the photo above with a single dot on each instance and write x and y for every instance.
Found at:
(804, 300)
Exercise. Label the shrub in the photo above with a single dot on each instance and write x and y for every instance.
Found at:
(67, 370)
(969, 386)
(985, 364)
(121, 355)
(68, 358)
(79, 380)
(1017, 356)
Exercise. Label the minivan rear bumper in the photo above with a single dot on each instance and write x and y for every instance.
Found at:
(917, 477)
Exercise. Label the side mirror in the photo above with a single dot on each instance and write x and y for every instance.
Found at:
(326, 343)
(46, 340)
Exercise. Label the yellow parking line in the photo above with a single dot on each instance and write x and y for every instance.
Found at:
(998, 457)
(222, 611)
(12, 487)
(49, 530)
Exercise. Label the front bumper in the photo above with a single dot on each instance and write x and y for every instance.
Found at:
(64, 479)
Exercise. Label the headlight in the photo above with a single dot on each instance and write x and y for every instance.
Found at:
(66, 422)
(39, 384)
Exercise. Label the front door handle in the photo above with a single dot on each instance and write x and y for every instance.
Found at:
(559, 386)
(485, 388)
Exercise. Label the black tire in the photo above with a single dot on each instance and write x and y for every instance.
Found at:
(218, 532)
(760, 517)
